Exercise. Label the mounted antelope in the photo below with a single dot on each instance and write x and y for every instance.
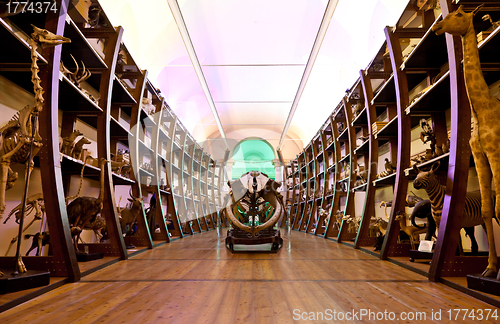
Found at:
(84, 210)
(412, 231)
(129, 215)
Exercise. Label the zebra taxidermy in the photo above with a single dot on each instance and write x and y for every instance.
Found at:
(427, 180)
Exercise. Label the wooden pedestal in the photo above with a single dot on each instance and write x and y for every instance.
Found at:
(30, 279)
(484, 284)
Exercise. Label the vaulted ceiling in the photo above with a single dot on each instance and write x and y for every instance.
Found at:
(242, 68)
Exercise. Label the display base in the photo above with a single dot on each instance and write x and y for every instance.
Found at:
(420, 255)
(237, 236)
(85, 257)
(30, 279)
(415, 254)
(484, 284)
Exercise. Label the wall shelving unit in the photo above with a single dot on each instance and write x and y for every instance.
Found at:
(125, 112)
(415, 75)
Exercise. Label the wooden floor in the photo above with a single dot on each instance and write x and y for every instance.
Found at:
(196, 280)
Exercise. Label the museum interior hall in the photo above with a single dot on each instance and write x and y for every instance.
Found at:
(236, 161)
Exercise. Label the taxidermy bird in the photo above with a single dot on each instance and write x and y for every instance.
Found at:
(426, 128)
(389, 167)
(94, 14)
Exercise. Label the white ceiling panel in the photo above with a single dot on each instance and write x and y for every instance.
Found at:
(270, 113)
(253, 83)
(253, 32)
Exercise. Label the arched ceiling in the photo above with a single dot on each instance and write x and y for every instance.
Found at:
(253, 56)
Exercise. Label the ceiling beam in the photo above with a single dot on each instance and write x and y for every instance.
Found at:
(181, 24)
(323, 28)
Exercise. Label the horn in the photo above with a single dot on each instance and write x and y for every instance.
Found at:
(85, 74)
(477, 9)
(74, 75)
(130, 193)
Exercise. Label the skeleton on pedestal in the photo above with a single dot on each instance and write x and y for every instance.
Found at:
(19, 137)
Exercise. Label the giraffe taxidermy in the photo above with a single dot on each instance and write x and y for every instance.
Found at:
(485, 111)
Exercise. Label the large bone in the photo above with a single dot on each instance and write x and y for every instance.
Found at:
(276, 216)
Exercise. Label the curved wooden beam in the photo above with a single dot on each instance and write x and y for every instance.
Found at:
(403, 157)
(104, 148)
(351, 143)
(157, 162)
(362, 238)
(143, 234)
(329, 232)
(174, 208)
(458, 167)
(52, 181)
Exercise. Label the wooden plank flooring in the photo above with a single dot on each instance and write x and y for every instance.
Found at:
(196, 280)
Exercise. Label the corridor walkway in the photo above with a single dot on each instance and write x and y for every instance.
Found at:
(196, 280)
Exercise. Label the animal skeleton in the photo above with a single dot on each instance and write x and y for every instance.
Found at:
(19, 137)
(34, 202)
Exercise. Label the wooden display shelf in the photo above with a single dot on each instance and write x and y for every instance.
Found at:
(121, 180)
(16, 62)
(385, 181)
(386, 94)
(80, 48)
(430, 42)
(74, 166)
(360, 188)
(147, 119)
(427, 164)
(390, 130)
(361, 119)
(344, 135)
(344, 158)
(362, 148)
(72, 99)
(433, 100)
(119, 132)
(120, 94)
